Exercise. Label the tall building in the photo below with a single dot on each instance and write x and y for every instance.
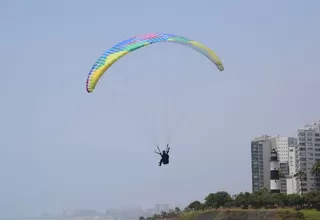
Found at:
(291, 181)
(306, 152)
(260, 154)
(292, 159)
(282, 147)
(261, 148)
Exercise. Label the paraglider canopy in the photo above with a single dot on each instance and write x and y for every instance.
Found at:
(124, 47)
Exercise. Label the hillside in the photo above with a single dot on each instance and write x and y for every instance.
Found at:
(238, 214)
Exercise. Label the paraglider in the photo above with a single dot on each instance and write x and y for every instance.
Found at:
(164, 155)
(113, 54)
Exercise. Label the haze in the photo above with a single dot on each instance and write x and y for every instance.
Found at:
(62, 148)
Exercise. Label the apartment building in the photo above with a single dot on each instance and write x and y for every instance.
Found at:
(261, 148)
(260, 155)
(282, 146)
(306, 153)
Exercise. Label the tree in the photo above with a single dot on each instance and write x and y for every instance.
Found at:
(217, 199)
(177, 210)
(171, 213)
(210, 200)
(316, 171)
(281, 198)
(269, 201)
(141, 218)
(164, 214)
(312, 198)
(295, 199)
(242, 199)
(156, 216)
(301, 176)
(257, 199)
(195, 205)
(223, 198)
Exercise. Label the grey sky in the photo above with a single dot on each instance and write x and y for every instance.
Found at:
(63, 148)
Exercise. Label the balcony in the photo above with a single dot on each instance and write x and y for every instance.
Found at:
(302, 155)
(301, 143)
(301, 133)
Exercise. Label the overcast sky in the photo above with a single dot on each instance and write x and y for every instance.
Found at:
(62, 148)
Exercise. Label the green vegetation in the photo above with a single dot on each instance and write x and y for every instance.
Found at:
(256, 200)
(221, 205)
(257, 205)
(246, 214)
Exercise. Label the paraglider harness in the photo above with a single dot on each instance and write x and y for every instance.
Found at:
(164, 155)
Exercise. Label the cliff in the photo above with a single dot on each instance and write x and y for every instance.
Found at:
(281, 214)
